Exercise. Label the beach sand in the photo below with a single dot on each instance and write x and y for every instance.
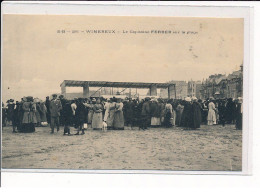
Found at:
(210, 148)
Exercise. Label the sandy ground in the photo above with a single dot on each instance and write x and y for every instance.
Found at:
(209, 148)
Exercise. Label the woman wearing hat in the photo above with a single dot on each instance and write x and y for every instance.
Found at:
(97, 120)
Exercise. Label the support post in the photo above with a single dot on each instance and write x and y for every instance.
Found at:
(171, 91)
(86, 90)
(63, 89)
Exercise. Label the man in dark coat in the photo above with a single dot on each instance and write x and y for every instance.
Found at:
(80, 115)
(67, 117)
(55, 108)
(62, 100)
(129, 112)
(48, 114)
(11, 113)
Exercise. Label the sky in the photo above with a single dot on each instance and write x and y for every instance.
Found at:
(36, 58)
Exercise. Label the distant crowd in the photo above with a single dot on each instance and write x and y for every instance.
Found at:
(116, 113)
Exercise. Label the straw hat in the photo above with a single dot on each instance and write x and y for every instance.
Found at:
(188, 99)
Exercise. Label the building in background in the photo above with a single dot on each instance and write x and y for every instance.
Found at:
(222, 86)
(181, 90)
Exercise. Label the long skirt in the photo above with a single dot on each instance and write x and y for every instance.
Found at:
(90, 116)
(155, 121)
(211, 117)
(167, 120)
(111, 118)
(239, 121)
(97, 121)
(119, 120)
(173, 120)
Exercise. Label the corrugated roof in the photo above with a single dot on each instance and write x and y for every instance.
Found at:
(75, 83)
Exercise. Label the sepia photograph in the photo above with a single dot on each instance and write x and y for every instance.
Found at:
(88, 92)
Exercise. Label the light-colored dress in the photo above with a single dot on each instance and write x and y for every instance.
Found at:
(110, 114)
(119, 116)
(211, 114)
(90, 112)
(97, 120)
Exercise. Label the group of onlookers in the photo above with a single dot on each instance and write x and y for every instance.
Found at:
(117, 113)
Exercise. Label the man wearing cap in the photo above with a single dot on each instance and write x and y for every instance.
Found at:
(55, 108)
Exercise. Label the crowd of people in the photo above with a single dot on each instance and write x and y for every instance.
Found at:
(118, 113)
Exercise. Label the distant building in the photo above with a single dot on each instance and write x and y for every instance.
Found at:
(222, 86)
(181, 90)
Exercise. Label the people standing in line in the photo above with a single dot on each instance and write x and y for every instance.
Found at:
(97, 120)
(119, 116)
(196, 113)
(55, 108)
(211, 114)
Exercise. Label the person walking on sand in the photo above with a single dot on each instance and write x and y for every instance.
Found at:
(55, 108)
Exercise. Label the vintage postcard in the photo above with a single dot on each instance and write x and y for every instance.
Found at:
(93, 92)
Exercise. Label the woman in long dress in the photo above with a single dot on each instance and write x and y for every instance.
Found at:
(155, 113)
(179, 111)
(119, 116)
(211, 114)
(168, 115)
(90, 112)
(97, 120)
(110, 114)
(29, 116)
